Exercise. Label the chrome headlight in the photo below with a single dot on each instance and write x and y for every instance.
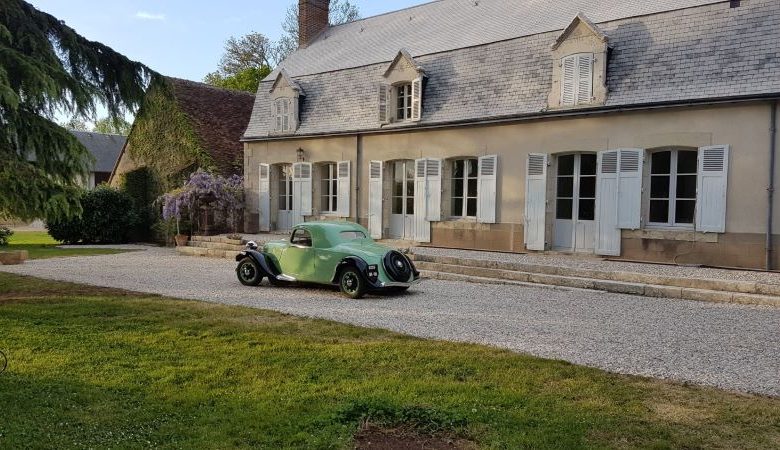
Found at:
(251, 245)
(372, 273)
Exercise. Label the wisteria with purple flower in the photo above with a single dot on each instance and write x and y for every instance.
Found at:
(224, 196)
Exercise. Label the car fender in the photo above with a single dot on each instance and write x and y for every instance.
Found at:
(356, 261)
(262, 260)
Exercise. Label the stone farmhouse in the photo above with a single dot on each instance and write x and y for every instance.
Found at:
(641, 130)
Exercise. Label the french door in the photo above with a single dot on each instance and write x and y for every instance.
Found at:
(285, 219)
(402, 200)
(575, 203)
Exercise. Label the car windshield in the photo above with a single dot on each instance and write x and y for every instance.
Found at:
(352, 235)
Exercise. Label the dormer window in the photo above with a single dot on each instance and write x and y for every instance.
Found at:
(286, 97)
(579, 66)
(400, 93)
(403, 101)
(577, 79)
(283, 116)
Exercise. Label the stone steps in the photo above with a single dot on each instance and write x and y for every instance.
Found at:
(216, 245)
(724, 291)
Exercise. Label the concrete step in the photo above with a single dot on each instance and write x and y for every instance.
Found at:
(218, 239)
(207, 252)
(733, 286)
(462, 272)
(216, 245)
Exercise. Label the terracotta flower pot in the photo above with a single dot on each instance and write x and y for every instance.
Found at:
(181, 240)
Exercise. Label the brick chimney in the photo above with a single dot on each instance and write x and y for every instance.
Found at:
(312, 20)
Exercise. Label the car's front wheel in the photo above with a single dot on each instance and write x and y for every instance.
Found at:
(249, 273)
(352, 283)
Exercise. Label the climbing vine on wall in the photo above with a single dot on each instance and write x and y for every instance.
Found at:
(163, 138)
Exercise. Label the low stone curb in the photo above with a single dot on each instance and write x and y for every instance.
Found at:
(465, 272)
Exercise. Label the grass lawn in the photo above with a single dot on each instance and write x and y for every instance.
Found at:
(40, 245)
(91, 367)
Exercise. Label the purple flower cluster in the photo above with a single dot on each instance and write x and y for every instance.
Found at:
(225, 195)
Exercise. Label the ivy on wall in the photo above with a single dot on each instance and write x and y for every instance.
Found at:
(163, 138)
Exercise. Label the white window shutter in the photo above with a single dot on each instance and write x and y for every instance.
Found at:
(433, 173)
(584, 78)
(265, 197)
(422, 228)
(607, 231)
(535, 201)
(383, 95)
(630, 188)
(297, 194)
(712, 182)
(375, 199)
(568, 81)
(417, 86)
(486, 189)
(344, 182)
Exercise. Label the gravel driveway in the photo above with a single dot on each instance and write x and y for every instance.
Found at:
(729, 346)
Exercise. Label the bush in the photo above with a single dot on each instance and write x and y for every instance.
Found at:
(107, 218)
(5, 233)
(143, 188)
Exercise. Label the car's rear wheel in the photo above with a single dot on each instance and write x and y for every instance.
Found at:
(352, 284)
(249, 273)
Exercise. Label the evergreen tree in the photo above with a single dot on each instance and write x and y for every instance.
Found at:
(46, 68)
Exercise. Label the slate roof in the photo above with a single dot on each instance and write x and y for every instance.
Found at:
(218, 117)
(104, 147)
(484, 71)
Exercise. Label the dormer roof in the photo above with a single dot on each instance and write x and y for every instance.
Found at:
(283, 75)
(403, 55)
(580, 19)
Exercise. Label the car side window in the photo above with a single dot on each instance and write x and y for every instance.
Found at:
(301, 237)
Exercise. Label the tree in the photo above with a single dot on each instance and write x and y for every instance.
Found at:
(249, 59)
(75, 123)
(47, 67)
(107, 125)
(246, 80)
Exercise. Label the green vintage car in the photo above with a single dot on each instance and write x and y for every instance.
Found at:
(331, 253)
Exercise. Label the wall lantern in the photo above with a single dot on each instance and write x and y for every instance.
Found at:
(301, 155)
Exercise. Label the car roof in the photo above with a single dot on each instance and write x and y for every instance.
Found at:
(326, 232)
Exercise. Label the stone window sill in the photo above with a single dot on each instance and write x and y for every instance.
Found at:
(687, 235)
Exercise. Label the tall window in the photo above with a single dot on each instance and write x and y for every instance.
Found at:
(464, 188)
(404, 102)
(403, 187)
(329, 189)
(673, 187)
(285, 188)
(283, 114)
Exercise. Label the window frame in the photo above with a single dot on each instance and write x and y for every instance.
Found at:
(673, 175)
(463, 195)
(403, 101)
(305, 232)
(286, 180)
(329, 178)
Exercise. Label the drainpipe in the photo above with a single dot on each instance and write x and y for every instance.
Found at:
(771, 188)
(359, 165)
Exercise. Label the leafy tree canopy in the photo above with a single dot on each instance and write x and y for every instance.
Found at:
(47, 67)
(249, 59)
(107, 125)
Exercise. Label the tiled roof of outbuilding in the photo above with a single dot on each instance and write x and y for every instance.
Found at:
(703, 52)
(218, 116)
(104, 147)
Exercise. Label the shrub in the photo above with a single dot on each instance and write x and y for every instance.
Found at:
(107, 218)
(5, 233)
(143, 188)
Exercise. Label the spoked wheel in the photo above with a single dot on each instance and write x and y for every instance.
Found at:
(352, 283)
(249, 273)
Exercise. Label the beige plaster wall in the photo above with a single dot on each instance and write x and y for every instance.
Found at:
(744, 126)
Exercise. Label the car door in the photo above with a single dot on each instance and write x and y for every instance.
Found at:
(298, 258)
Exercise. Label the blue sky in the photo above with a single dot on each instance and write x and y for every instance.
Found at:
(181, 38)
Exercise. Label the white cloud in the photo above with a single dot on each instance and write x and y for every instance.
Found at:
(143, 15)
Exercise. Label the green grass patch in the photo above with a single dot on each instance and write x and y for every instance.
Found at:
(91, 367)
(40, 245)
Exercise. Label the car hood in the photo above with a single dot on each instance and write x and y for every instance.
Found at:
(368, 250)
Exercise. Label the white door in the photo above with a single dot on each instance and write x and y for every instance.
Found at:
(402, 200)
(284, 219)
(575, 203)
